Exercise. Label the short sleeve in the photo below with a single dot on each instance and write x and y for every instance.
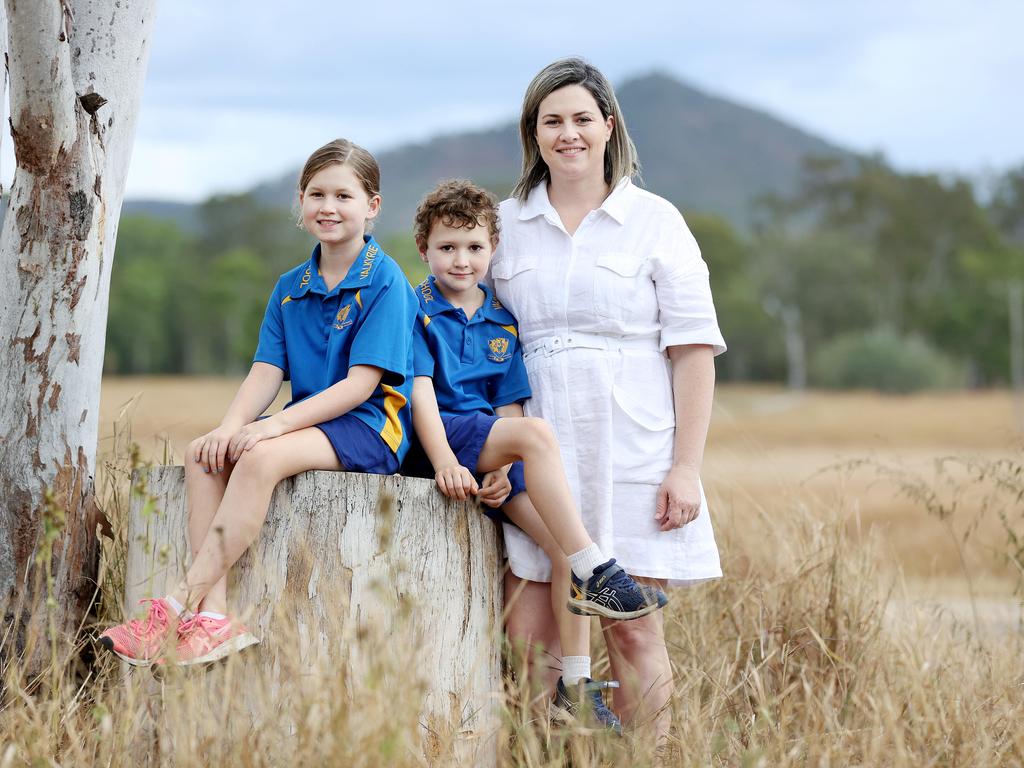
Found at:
(384, 332)
(682, 285)
(422, 358)
(514, 386)
(271, 347)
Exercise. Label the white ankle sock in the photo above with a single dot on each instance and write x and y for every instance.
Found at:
(585, 561)
(213, 615)
(574, 669)
(175, 605)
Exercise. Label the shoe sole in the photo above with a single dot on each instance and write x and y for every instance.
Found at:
(588, 608)
(237, 643)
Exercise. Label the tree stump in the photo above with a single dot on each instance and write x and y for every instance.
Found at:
(377, 582)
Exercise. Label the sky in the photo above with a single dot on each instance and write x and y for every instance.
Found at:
(239, 92)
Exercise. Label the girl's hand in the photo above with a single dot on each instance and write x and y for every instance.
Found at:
(456, 482)
(496, 488)
(211, 448)
(252, 433)
(678, 498)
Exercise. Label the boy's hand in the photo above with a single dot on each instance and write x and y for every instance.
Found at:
(496, 488)
(212, 448)
(456, 482)
(252, 433)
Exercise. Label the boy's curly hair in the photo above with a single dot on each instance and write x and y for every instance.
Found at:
(456, 203)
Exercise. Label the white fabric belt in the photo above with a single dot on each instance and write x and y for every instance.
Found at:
(550, 345)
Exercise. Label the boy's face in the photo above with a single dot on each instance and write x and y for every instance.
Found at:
(458, 258)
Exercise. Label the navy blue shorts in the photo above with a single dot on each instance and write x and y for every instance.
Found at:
(466, 433)
(359, 448)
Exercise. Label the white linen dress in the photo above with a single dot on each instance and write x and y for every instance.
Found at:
(596, 312)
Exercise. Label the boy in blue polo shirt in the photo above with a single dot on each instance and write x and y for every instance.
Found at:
(470, 382)
(339, 326)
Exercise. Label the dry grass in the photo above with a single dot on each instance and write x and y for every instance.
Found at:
(768, 449)
(796, 659)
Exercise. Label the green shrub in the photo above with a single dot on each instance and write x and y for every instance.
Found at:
(882, 359)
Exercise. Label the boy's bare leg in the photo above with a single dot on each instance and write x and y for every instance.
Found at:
(532, 440)
(204, 491)
(243, 507)
(573, 630)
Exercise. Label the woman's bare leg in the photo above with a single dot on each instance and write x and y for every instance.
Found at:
(639, 661)
(532, 630)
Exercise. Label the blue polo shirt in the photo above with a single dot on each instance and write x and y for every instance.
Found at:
(476, 364)
(315, 336)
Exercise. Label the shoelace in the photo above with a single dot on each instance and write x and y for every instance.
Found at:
(156, 614)
(193, 621)
(621, 581)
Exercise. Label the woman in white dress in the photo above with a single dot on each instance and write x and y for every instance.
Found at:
(619, 334)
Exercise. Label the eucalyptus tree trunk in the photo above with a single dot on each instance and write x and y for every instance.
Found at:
(76, 71)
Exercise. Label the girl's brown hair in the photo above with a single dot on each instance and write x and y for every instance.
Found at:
(620, 158)
(343, 152)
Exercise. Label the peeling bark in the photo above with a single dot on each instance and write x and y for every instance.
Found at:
(56, 249)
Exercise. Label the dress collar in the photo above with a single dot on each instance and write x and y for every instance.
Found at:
(616, 205)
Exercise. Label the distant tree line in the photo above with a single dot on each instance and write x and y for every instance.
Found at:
(867, 277)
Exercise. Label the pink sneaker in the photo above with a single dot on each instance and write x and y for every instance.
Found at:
(139, 641)
(202, 639)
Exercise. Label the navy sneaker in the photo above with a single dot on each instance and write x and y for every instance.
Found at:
(611, 593)
(585, 702)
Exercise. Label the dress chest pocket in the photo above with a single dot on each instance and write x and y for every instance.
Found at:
(618, 278)
(516, 281)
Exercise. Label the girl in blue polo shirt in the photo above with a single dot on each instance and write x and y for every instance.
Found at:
(339, 326)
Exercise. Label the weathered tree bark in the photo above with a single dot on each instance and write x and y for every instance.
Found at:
(76, 73)
(330, 563)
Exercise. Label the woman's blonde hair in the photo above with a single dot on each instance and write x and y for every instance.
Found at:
(620, 158)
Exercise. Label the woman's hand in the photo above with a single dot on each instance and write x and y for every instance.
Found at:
(252, 433)
(678, 498)
(211, 448)
(496, 487)
(456, 482)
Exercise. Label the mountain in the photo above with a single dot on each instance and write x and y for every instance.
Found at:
(702, 152)
(185, 215)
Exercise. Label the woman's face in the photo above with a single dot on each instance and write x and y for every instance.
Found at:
(572, 134)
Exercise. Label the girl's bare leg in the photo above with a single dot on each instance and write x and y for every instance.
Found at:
(246, 498)
(203, 492)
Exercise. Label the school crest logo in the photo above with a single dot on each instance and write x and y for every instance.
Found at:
(499, 350)
(341, 320)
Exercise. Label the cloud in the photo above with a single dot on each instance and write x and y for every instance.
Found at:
(240, 91)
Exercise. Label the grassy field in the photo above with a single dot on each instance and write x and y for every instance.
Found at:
(836, 638)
